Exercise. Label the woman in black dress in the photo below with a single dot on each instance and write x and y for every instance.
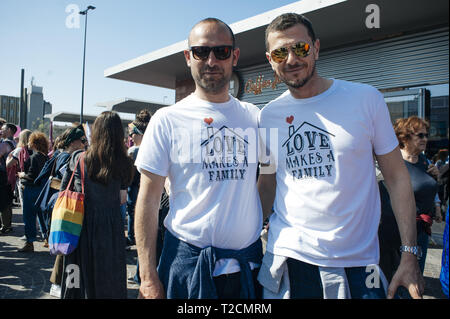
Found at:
(97, 267)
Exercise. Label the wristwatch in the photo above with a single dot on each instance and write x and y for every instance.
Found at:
(415, 250)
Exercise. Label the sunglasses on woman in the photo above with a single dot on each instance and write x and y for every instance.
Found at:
(221, 52)
(134, 130)
(300, 49)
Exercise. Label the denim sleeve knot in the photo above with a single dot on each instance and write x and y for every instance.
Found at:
(198, 267)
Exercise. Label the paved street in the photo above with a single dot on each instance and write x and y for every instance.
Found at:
(26, 275)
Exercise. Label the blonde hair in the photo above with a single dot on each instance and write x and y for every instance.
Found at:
(24, 136)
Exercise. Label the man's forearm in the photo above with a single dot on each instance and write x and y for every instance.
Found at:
(398, 184)
(404, 208)
(146, 227)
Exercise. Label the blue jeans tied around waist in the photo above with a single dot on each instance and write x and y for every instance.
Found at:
(186, 271)
(305, 282)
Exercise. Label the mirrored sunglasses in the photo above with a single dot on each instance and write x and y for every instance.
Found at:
(300, 49)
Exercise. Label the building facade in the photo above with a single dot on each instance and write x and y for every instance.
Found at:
(37, 107)
(9, 108)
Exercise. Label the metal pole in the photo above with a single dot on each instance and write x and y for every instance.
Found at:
(22, 111)
(84, 58)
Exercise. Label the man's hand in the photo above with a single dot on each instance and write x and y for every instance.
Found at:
(409, 276)
(151, 289)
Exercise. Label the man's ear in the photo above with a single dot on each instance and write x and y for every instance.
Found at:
(269, 58)
(316, 49)
(236, 54)
(187, 57)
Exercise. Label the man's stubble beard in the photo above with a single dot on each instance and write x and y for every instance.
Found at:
(296, 84)
(212, 86)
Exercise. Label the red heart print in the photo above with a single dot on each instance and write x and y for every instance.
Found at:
(208, 120)
(290, 119)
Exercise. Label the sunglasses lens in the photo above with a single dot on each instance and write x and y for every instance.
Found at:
(279, 55)
(200, 53)
(301, 49)
(222, 52)
(422, 135)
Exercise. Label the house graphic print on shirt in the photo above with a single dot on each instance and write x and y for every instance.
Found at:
(308, 152)
(224, 154)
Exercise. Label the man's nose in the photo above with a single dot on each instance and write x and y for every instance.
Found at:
(211, 60)
(292, 58)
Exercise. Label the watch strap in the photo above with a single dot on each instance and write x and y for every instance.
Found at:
(415, 250)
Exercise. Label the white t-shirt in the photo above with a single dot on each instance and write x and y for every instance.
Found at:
(327, 204)
(209, 152)
(15, 152)
(132, 149)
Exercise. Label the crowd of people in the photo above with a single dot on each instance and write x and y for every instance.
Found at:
(40, 174)
(311, 188)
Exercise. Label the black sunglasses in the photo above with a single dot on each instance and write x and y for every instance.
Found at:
(83, 140)
(221, 52)
(300, 49)
(422, 135)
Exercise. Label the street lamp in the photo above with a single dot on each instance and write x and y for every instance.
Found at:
(85, 12)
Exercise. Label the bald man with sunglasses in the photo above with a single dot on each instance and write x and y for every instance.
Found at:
(319, 179)
(206, 146)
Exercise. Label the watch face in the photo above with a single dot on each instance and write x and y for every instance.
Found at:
(234, 85)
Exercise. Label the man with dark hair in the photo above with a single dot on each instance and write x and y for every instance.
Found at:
(11, 128)
(286, 21)
(322, 240)
(206, 146)
(7, 145)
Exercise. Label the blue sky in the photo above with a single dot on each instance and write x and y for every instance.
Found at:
(34, 35)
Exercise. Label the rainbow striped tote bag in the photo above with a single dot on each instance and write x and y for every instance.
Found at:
(67, 217)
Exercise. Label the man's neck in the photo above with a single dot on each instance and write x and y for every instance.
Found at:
(220, 97)
(315, 86)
